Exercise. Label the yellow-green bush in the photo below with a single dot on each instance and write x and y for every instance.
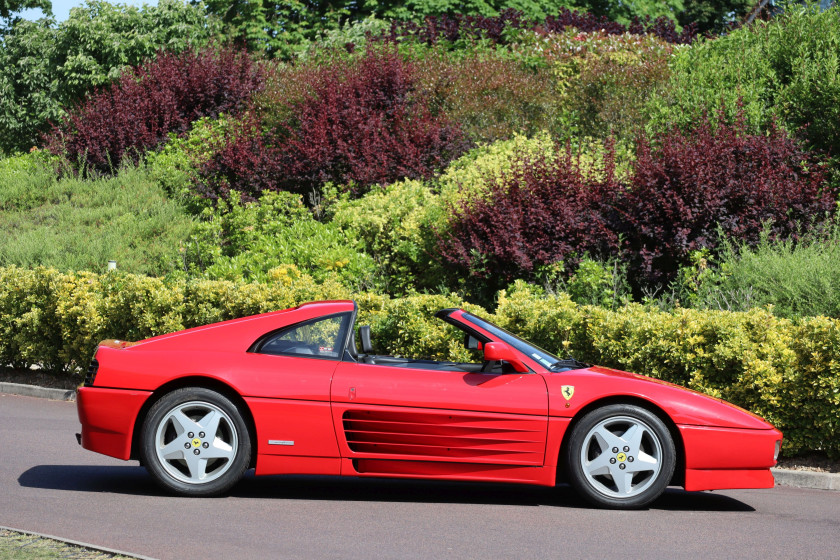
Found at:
(92, 307)
(28, 331)
(395, 226)
(475, 173)
(785, 370)
(56, 320)
(407, 326)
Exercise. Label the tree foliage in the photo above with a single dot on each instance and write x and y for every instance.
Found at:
(625, 12)
(8, 7)
(284, 27)
(713, 15)
(785, 70)
(45, 67)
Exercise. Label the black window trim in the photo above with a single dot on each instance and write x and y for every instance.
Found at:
(444, 314)
(347, 322)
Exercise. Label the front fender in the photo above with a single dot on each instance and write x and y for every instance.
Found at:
(683, 406)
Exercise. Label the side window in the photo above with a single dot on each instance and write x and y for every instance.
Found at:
(318, 338)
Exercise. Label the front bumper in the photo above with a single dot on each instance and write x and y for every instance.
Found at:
(726, 458)
(108, 417)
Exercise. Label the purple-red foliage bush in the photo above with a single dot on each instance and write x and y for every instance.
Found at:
(248, 163)
(491, 96)
(543, 212)
(356, 123)
(716, 180)
(685, 191)
(145, 104)
(458, 27)
(368, 126)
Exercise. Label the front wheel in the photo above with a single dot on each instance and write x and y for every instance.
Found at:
(620, 456)
(195, 442)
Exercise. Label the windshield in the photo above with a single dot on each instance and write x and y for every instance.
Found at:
(534, 352)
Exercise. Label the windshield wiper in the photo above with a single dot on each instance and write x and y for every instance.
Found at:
(567, 364)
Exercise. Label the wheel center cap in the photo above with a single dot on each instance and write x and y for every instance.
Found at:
(621, 457)
(196, 442)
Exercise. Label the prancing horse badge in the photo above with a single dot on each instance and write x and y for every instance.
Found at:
(568, 391)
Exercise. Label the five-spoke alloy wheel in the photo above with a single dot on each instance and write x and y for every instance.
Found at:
(195, 442)
(620, 456)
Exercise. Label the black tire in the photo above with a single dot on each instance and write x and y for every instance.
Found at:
(194, 442)
(620, 456)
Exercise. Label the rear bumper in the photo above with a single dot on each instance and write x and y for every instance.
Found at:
(108, 417)
(722, 458)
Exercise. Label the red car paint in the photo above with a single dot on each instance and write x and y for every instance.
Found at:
(346, 417)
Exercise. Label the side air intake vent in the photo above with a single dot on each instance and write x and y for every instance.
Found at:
(91, 373)
(445, 436)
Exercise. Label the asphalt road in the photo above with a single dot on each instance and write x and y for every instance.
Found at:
(51, 485)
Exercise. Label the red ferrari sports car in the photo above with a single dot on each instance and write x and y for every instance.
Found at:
(289, 392)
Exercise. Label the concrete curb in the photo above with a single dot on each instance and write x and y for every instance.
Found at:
(78, 543)
(35, 391)
(807, 479)
(784, 477)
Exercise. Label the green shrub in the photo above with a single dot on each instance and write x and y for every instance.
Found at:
(29, 333)
(787, 68)
(237, 241)
(732, 72)
(395, 227)
(175, 166)
(810, 390)
(794, 279)
(599, 283)
(71, 224)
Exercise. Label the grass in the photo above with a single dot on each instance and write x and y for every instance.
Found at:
(26, 546)
(75, 224)
(796, 279)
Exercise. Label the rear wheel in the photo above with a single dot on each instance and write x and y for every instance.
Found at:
(195, 442)
(620, 456)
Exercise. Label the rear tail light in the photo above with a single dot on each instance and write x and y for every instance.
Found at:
(91, 373)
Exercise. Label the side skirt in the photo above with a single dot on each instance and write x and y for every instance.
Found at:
(285, 464)
(543, 476)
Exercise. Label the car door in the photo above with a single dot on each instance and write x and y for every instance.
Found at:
(402, 420)
(287, 392)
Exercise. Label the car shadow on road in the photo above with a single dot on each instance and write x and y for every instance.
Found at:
(134, 480)
(389, 490)
(123, 479)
